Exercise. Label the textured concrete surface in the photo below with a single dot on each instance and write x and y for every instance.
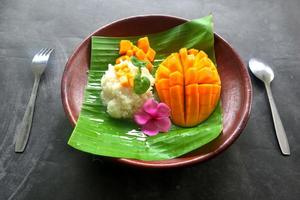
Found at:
(252, 168)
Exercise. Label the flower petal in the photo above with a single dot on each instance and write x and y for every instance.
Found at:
(150, 106)
(141, 117)
(163, 110)
(163, 124)
(150, 128)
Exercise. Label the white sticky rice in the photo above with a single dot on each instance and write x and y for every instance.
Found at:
(121, 101)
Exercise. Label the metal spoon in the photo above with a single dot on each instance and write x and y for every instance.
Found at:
(266, 74)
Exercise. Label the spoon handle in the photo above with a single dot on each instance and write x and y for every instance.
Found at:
(280, 132)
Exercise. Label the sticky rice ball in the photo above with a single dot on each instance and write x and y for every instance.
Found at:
(123, 102)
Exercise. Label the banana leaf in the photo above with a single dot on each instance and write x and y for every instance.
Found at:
(97, 133)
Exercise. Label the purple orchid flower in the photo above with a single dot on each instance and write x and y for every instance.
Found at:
(153, 117)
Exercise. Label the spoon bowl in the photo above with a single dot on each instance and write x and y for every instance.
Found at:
(261, 70)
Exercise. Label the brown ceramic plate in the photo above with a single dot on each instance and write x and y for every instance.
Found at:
(236, 86)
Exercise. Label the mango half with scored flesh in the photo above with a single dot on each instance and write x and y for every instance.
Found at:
(189, 83)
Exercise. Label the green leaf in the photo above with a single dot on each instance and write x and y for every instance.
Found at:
(141, 84)
(138, 63)
(99, 134)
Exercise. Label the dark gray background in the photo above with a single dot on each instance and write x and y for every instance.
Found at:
(252, 168)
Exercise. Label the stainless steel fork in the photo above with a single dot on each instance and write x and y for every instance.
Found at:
(39, 63)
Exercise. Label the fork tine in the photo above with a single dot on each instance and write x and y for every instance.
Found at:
(46, 53)
(42, 52)
(38, 54)
(51, 51)
(43, 49)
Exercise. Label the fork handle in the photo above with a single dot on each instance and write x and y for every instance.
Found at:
(25, 126)
(279, 129)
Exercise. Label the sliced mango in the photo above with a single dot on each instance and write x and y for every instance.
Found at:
(186, 59)
(125, 45)
(142, 51)
(174, 63)
(134, 49)
(209, 95)
(143, 43)
(176, 78)
(124, 74)
(193, 51)
(151, 54)
(189, 83)
(149, 66)
(177, 101)
(192, 104)
(140, 55)
(191, 76)
(122, 58)
(163, 84)
(162, 87)
(163, 72)
(129, 53)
